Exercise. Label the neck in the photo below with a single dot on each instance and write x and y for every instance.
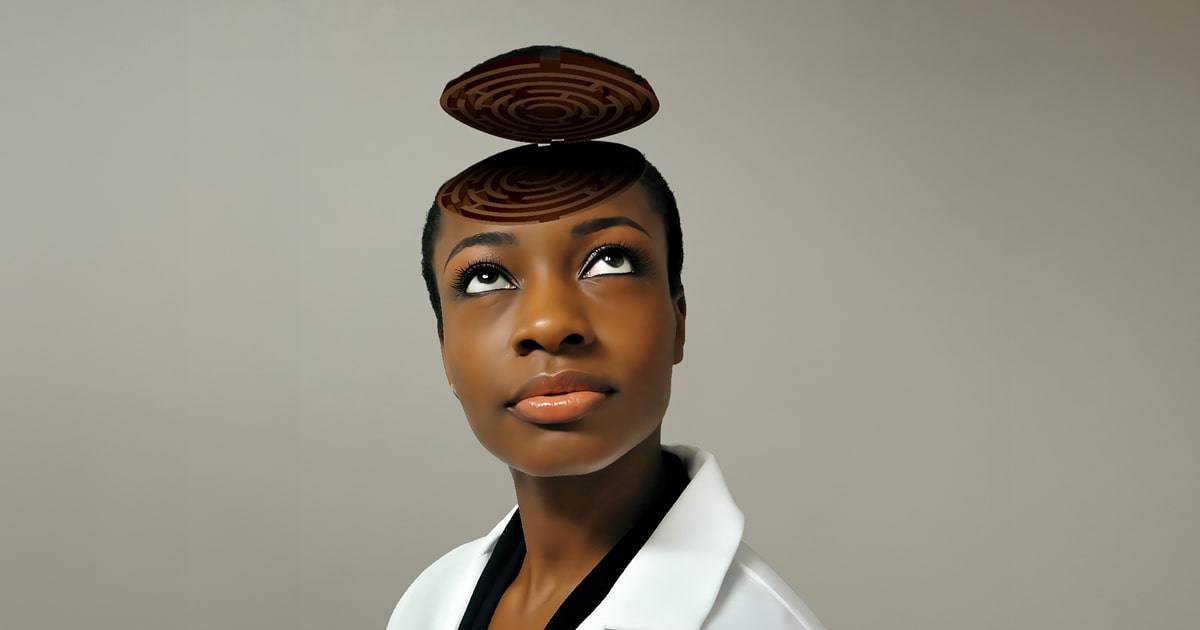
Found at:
(570, 522)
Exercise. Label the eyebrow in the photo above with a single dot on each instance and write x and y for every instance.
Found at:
(506, 238)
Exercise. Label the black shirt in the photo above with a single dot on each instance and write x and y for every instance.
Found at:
(505, 562)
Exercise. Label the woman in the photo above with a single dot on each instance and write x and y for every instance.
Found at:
(560, 314)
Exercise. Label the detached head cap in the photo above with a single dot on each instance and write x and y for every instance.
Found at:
(550, 93)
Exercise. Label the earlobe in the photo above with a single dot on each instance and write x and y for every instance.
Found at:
(445, 366)
(680, 316)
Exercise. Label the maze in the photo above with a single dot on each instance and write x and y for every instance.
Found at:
(532, 184)
(548, 96)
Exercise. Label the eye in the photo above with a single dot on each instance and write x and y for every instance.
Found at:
(480, 277)
(486, 276)
(620, 259)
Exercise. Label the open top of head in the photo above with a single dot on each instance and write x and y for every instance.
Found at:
(533, 183)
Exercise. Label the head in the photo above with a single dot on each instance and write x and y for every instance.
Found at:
(542, 299)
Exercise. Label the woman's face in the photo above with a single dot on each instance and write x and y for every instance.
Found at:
(552, 300)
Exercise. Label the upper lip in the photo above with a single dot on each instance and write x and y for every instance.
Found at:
(562, 382)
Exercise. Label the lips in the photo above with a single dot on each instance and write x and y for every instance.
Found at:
(563, 382)
(560, 397)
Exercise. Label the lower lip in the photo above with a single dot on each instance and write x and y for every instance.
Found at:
(558, 409)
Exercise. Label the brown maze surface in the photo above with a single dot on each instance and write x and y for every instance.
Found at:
(534, 183)
(550, 93)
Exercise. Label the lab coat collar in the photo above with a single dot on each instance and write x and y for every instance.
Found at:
(673, 580)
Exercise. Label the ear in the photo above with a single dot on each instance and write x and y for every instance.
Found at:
(445, 365)
(680, 314)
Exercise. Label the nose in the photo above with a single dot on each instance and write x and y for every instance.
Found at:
(552, 317)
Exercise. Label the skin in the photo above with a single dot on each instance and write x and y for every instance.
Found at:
(579, 487)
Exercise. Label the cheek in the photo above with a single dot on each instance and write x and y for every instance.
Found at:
(471, 362)
(641, 338)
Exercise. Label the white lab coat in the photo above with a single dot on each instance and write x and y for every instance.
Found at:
(694, 572)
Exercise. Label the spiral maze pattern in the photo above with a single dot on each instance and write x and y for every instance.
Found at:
(535, 184)
(552, 96)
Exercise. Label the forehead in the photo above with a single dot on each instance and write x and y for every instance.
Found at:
(632, 203)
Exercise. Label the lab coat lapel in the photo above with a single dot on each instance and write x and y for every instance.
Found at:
(672, 582)
(452, 604)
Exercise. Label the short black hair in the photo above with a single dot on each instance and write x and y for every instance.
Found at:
(662, 201)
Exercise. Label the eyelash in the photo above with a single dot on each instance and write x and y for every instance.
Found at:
(463, 275)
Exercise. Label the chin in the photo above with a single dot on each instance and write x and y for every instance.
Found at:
(560, 456)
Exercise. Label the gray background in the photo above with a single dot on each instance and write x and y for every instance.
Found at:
(941, 272)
